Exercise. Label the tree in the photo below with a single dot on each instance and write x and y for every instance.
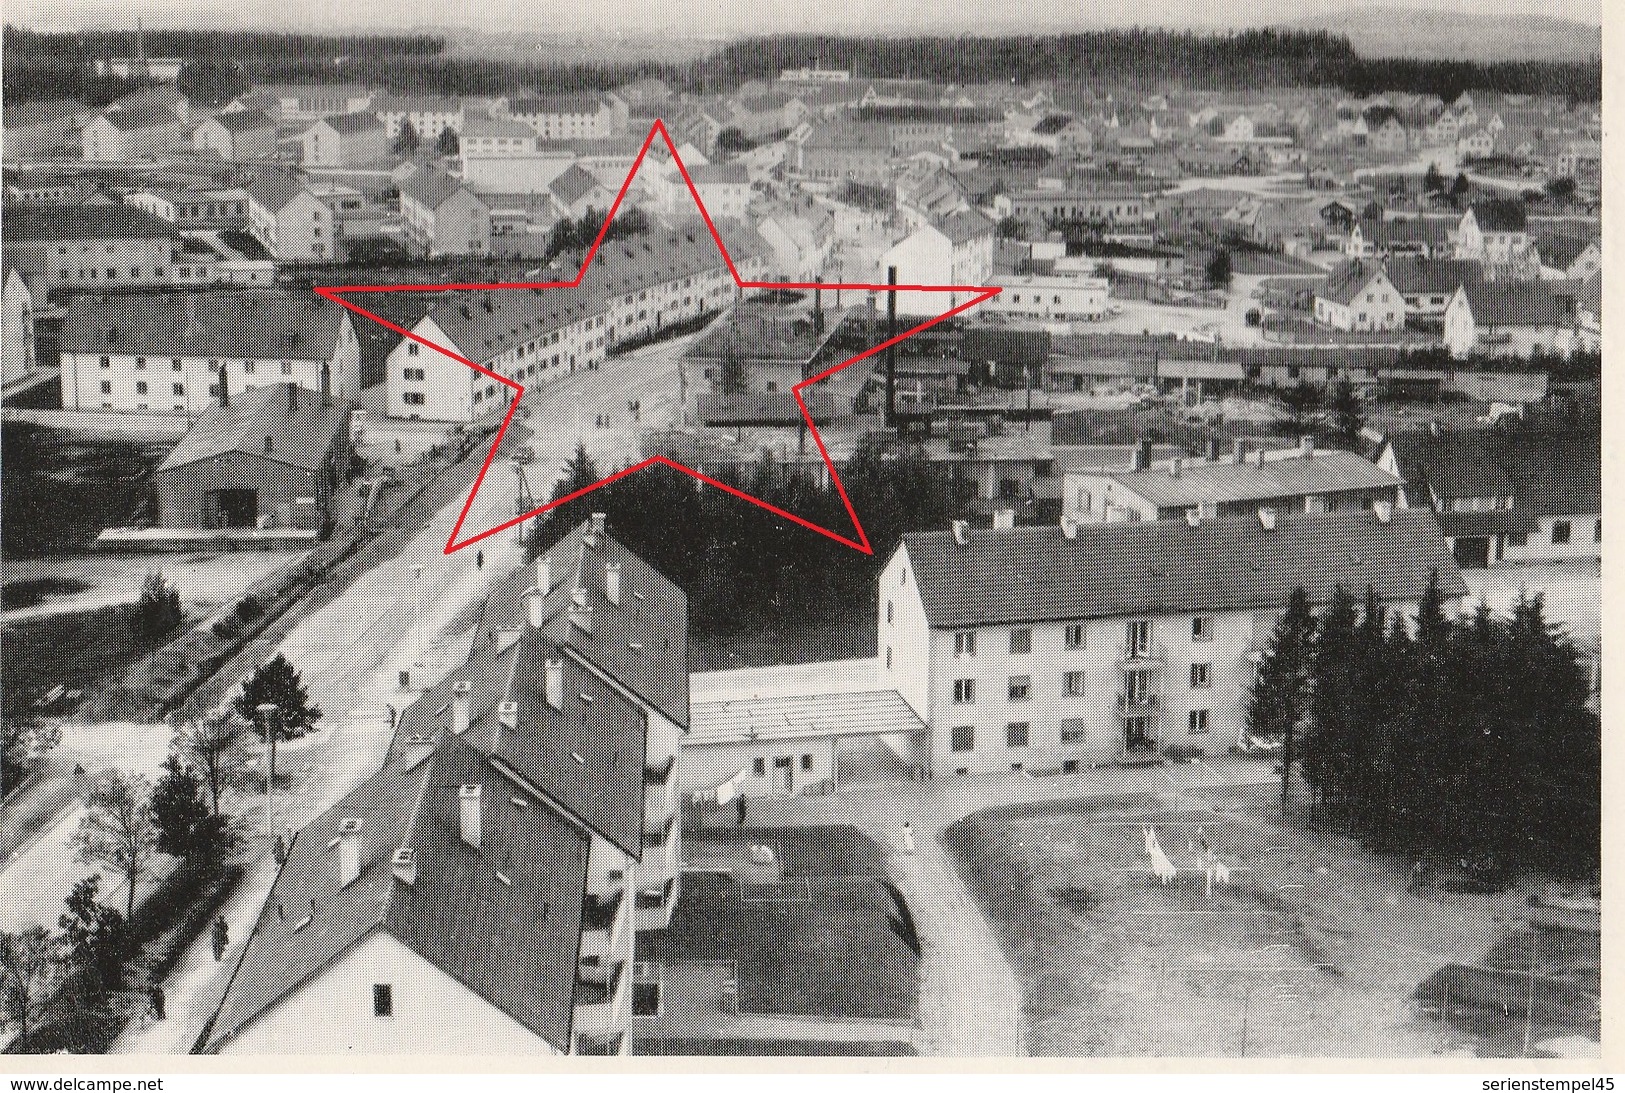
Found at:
(407, 140)
(158, 611)
(93, 935)
(1301, 399)
(1433, 182)
(1347, 415)
(1219, 269)
(30, 972)
(578, 473)
(1561, 189)
(448, 144)
(215, 746)
(277, 682)
(27, 738)
(1280, 694)
(732, 140)
(186, 827)
(1459, 188)
(210, 83)
(733, 374)
(118, 829)
(1333, 707)
(1010, 227)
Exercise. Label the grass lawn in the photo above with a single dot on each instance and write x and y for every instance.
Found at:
(853, 637)
(695, 1046)
(75, 648)
(58, 490)
(1316, 948)
(828, 942)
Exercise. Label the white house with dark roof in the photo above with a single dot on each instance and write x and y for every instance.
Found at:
(88, 246)
(292, 222)
(1359, 297)
(956, 249)
(576, 190)
(1510, 318)
(1054, 649)
(443, 216)
(347, 140)
(237, 136)
(174, 353)
(18, 352)
(483, 891)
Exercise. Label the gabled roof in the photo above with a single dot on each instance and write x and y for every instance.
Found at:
(1432, 275)
(274, 190)
(348, 125)
(1513, 303)
(128, 119)
(1560, 250)
(1167, 567)
(49, 225)
(512, 941)
(299, 435)
(963, 225)
(1325, 471)
(1349, 279)
(577, 103)
(1434, 231)
(1547, 472)
(430, 187)
(498, 127)
(243, 121)
(252, 324)
(1500, 216)
(724, 173)
(574, 184)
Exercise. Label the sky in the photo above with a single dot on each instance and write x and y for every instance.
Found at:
(727, 18)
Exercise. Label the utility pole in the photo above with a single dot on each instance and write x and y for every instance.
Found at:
(267, 712)
(891, 350)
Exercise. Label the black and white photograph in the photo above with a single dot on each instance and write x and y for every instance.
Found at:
(781, 531)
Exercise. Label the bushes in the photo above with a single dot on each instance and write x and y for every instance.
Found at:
(248, 609)
(158, 611)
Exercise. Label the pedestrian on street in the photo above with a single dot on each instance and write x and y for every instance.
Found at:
(155, 1002)
(741, 806)
(221, 937)
(908, 837)
(479, 559)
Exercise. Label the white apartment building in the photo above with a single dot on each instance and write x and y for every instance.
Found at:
(632, 288)
(292, 222)
(1052, 299)
(1053, 649)
(174, 353)
(566, 117)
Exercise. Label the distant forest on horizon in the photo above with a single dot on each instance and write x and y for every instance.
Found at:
(47, 66)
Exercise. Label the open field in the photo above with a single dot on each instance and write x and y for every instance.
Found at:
(1314, 948)
(60, 490)
(76, 649)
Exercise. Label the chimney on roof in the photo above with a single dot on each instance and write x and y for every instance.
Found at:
(544, 574)
(959, 528)
(349, 852)
(1004, 518)
(225, 391)
(612, 582)
(1384, 511)
(553, 683)
(293, 398)
(535, 608)
(468, 815)
(1266, 517)
(599, 523)
(404, 864)
(580, 611)
(1306, 445)
(460, 706)
(508, 714)
(1258, 458)
(1175, 466)
(1145, 455)
(1069, 527)
(1435, 427)
(270, 444)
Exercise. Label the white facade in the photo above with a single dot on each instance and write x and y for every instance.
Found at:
(302, 230)
(1375, 306)
(1061, 299)
(17, 349)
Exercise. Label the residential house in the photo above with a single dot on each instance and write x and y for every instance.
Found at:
(308, 102)
(1055, 649)
(1384, 132)
(1051, 299)
(1510, 318)
(292, 222)
(838, 151)
(576, 116)
(1428, 284)
(347, 140)
(528, 798)
(87, 246)
(1291, 480)
(442, 216)
(953, 250)
(1495, 233)
(143, 132)
(1504, 494)
(1424, 236)
(1358, 297)
(576, 191)
(1567, 256)
(1039, 208)
(43, 127)
(179, 353)
(723, 188)
(238, 136)
(429, 115)
(18, 351)
(201, 209)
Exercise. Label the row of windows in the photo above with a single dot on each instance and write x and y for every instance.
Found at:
(1137, 635)
(1562, 533)
(175, 365)
(112, 274)
(177, 389)
(758, 766)
(1018, 734)
(1020, 687)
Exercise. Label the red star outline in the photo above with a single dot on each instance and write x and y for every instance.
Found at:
(980, 293)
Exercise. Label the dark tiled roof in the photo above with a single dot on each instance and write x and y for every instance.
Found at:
(1451, 465)
(1052, 123)
(1560, 249)
(273, 191)
(301, 435)
(514, 943)
(1440, 276)
(574, 184)
(1546, 472)
(142, 116)
(1514, 303)
(582, 103)
(430, 186)
(28, 225)
(352, 124)
(1167, 567)
(243, 121)
(255, 324)
(1500, 216)
(964, 225)
(1349, 279)
(1431, 230)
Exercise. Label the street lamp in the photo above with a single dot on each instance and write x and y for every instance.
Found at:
(417, 610)
(267, 712)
